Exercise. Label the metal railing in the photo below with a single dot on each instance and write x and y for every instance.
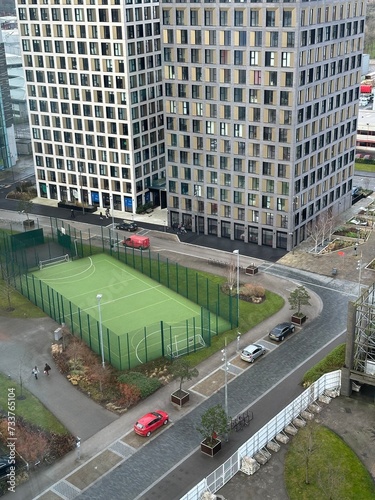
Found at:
(219, 477)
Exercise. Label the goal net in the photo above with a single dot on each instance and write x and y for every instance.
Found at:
(185, 346)
(53, 261)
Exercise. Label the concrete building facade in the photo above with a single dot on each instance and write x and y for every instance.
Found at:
(240, 117)
(261, 114)
(94, 82)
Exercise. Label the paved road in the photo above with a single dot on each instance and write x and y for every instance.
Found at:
(181, 440)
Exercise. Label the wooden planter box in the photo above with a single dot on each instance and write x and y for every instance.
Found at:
(298, 320)
(28, 224)
(180, 397)
(251, 270)
(209, 449)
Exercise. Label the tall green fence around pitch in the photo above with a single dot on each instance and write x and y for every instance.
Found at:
(189, 283)
(118, 349)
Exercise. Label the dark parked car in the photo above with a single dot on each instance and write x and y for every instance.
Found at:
(127, 226)
(281, 331)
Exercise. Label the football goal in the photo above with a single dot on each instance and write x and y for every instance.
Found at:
(53, 261)
(185, 346)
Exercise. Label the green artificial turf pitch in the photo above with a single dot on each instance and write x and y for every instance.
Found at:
(130, 302)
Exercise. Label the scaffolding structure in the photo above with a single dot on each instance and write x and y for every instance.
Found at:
(364, 334)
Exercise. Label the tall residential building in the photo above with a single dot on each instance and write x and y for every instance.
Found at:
(93, 72)
(240, 116)
(261, 106)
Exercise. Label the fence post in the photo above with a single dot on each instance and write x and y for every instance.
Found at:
(128, 347)
(162, 338)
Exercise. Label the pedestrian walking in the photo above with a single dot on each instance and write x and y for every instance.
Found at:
(72, 216)
(179, 228)
(101, 215)
(47, 369)
(107, 213)
(35, 372)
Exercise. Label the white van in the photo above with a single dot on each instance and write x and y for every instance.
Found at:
(364, 101)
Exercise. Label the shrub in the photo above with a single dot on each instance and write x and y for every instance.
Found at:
(334, 361)
(259, 291)
(145, 385)
(247, 290)
(130, 395)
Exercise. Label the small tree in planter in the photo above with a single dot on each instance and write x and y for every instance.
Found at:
(299, 297)
(24, 207)
(214, 422)
(181, 371)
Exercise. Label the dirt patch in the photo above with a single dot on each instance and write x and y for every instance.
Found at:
(212, 384)
(94, 469)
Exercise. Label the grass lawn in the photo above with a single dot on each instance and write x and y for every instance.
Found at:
(30, 408)
(22, 307)
(365, 167)
(335, 471)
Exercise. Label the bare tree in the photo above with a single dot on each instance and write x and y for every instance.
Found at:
(307, 445)
(330, 480)
(7, 289)
(321, 228)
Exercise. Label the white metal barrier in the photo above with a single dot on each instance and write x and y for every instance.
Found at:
(219, 477)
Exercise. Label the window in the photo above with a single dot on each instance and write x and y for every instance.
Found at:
(270, 18)
(254, 17)
(238, 94)
(238, 18)
(286, 58)
(270, 58)
(223, 18)
(287, 18)
(238, 57)
(274, 39)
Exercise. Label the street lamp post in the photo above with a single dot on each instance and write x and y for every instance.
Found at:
(225, 359)
(237, 252)
(113, 215)
(359, 268)
(98, 298)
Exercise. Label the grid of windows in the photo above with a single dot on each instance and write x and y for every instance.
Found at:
(88, 52)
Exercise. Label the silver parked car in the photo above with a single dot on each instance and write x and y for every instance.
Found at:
(252, 352)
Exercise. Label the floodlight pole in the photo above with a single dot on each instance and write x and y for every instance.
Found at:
(98, 298)
(237, 252)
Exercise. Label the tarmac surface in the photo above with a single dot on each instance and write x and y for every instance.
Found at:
(112, 460)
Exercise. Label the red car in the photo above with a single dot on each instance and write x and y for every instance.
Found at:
(150, 422)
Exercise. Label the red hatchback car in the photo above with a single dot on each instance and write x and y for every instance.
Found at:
(150, 422)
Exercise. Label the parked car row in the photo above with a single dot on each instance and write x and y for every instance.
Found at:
(152, 421)
(278, 333)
